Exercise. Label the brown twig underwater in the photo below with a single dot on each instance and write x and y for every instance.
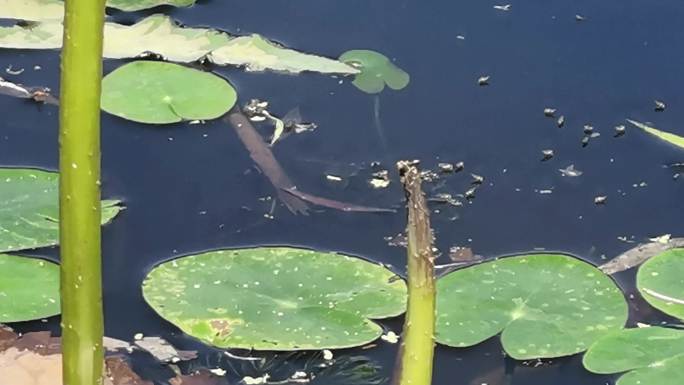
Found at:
(293, 198)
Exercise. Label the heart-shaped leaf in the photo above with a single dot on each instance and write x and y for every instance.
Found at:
(275, 298)
(661, 282)
(652, 355)
(376, 71)
(29, 288)
(29, 209)
(545, 305)
(158, 92)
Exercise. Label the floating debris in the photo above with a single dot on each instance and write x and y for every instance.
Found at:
(549, 112)
(579, 17)
(445, 198)
(391, 337)
(333, 178)
(659, 106)
(477, 179)
(398, 240)
(547, 154)
(600, 200)
(561, 121)
(619, 130)
(446, 168)
(585, 141)
(429, 176)
(470, 194)
(380, 179)
(9, 70)
(570, 171)
(483, 80)
(506, 7)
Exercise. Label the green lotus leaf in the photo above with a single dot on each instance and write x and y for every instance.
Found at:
(275, 298)
(158, 92)
(544, 305)
(29, 209)
(650, 355)
(376, 71)
(661, 282)
(29, 288)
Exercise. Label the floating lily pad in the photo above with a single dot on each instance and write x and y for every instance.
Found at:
(158, 92)
(137, 5)
(662, 135)
(160, 35)
(29, 209)
(275, 298)
(33, 10)
(42, 10)
(29, 288)
(545, 305)
(661, 282)
(652, 355)
(258, 54)
(376, 71)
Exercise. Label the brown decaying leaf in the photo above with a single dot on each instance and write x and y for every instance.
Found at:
(35, 359)
(638, 255)
(200, 377)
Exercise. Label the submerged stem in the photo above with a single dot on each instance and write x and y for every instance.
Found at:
(79, 193)
(417, 350)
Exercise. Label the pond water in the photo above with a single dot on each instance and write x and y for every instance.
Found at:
(189, 188)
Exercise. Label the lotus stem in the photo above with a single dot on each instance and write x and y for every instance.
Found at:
(79, 193)
(417, 349)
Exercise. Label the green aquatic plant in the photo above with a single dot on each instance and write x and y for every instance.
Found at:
(649, 355)
(275, 298)
(660, 281)
(416, 354)
(668, 137)
(40, 10)
(29, 211)
(376, 71)
(79, 193)
(158, 92)
(29, 288)
(544, 305)
(160, 35)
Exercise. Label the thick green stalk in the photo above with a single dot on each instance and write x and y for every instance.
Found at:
(79, 192)
(417, 350)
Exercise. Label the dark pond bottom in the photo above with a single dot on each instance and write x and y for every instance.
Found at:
(191, 188)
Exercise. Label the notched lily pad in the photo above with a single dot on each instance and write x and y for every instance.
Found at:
(650, 355)
(29, 209)
(275, 298)
(158, 92)
(376, 71)
(545, 305)
(29, 288)
(660, 281)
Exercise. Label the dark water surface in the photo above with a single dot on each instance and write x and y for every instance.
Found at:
(192, 188)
